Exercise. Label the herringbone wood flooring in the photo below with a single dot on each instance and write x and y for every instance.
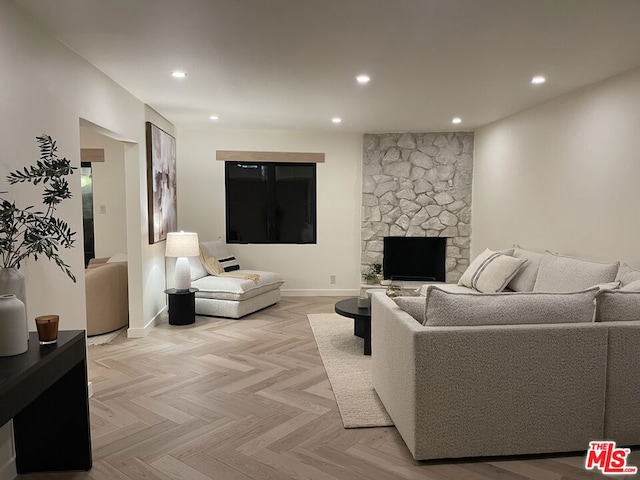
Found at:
(249, 399)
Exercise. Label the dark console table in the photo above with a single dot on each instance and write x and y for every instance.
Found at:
(44, 391)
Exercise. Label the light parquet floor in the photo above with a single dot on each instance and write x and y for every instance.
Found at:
(249, 399)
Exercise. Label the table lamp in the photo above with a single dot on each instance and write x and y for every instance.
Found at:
(182, 245)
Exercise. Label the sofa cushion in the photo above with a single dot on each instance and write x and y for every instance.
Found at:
(525, 279)
(447, 287)
(414, 306)
(558, 273)
(197, 269)
(232, 288)
(618, 306)
(608, 286)
(462, 309)
(626, 274)
(491, 271)
(632, 287)
(220, 251)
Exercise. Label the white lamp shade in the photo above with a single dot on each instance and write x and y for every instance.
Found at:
(182, 244)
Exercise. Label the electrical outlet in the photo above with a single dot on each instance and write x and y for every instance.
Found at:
(332, 279)
(103, 209)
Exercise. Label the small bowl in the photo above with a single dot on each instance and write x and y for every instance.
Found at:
(385, 283)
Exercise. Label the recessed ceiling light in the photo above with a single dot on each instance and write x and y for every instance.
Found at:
(456, 120)
(213, 117)
(538, 79)
(178, 74)
(336, 120)
(363, 79)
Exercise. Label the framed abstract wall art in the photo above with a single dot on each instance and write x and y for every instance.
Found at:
(161, 183)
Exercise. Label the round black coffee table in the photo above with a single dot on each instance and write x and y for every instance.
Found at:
(361, 320)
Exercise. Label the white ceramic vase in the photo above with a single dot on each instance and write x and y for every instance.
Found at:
(14, 338)
(12, 282)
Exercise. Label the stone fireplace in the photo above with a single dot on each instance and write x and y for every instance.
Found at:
(417, 185)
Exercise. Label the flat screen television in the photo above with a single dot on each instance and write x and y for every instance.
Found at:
(414, 258)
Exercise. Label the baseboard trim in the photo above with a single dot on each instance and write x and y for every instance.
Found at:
(8, 469)
(320, 293)
(143, 332)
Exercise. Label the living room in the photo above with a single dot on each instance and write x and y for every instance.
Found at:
(558, 173)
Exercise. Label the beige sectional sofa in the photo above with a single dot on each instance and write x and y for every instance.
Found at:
(465, 374)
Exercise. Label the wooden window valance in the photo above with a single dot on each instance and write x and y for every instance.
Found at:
(276, 157)
(92, 154)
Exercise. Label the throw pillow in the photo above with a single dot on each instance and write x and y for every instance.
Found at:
(626, 274)
(463, 309)
(197, 269)
(618, 306)
(209, 262)
(220, 251)
(491, 271)
(558, 273)
(525, 279)
(414, 306)
(632, 287)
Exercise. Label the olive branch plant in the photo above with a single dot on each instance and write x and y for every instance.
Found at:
(27, 232)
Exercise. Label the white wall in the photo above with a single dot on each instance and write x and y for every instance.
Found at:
(564, 176)
(110, 227)
(46, 88)
(153, 274)
(49, 89)
(306, 268)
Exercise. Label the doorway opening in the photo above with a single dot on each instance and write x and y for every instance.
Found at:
(105, 234)
(86, 182)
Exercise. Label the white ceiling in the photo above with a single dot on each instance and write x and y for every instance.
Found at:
(291, 64)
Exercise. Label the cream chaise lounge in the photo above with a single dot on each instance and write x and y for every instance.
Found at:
(230, 296)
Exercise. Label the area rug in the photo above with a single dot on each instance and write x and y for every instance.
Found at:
(349, 371)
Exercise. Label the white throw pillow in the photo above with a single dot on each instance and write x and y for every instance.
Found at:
(559, 273)
(626, 274)
(525, 279)
(491, 271)
(632, 287)
(197, 269)
(220, 251)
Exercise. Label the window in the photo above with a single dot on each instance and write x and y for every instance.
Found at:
(270, 202)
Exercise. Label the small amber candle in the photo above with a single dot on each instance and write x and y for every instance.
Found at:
(47, 326)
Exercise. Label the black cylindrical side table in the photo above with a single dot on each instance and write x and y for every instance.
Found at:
(182, 306)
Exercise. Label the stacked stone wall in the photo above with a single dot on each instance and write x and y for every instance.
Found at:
(417, 185)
